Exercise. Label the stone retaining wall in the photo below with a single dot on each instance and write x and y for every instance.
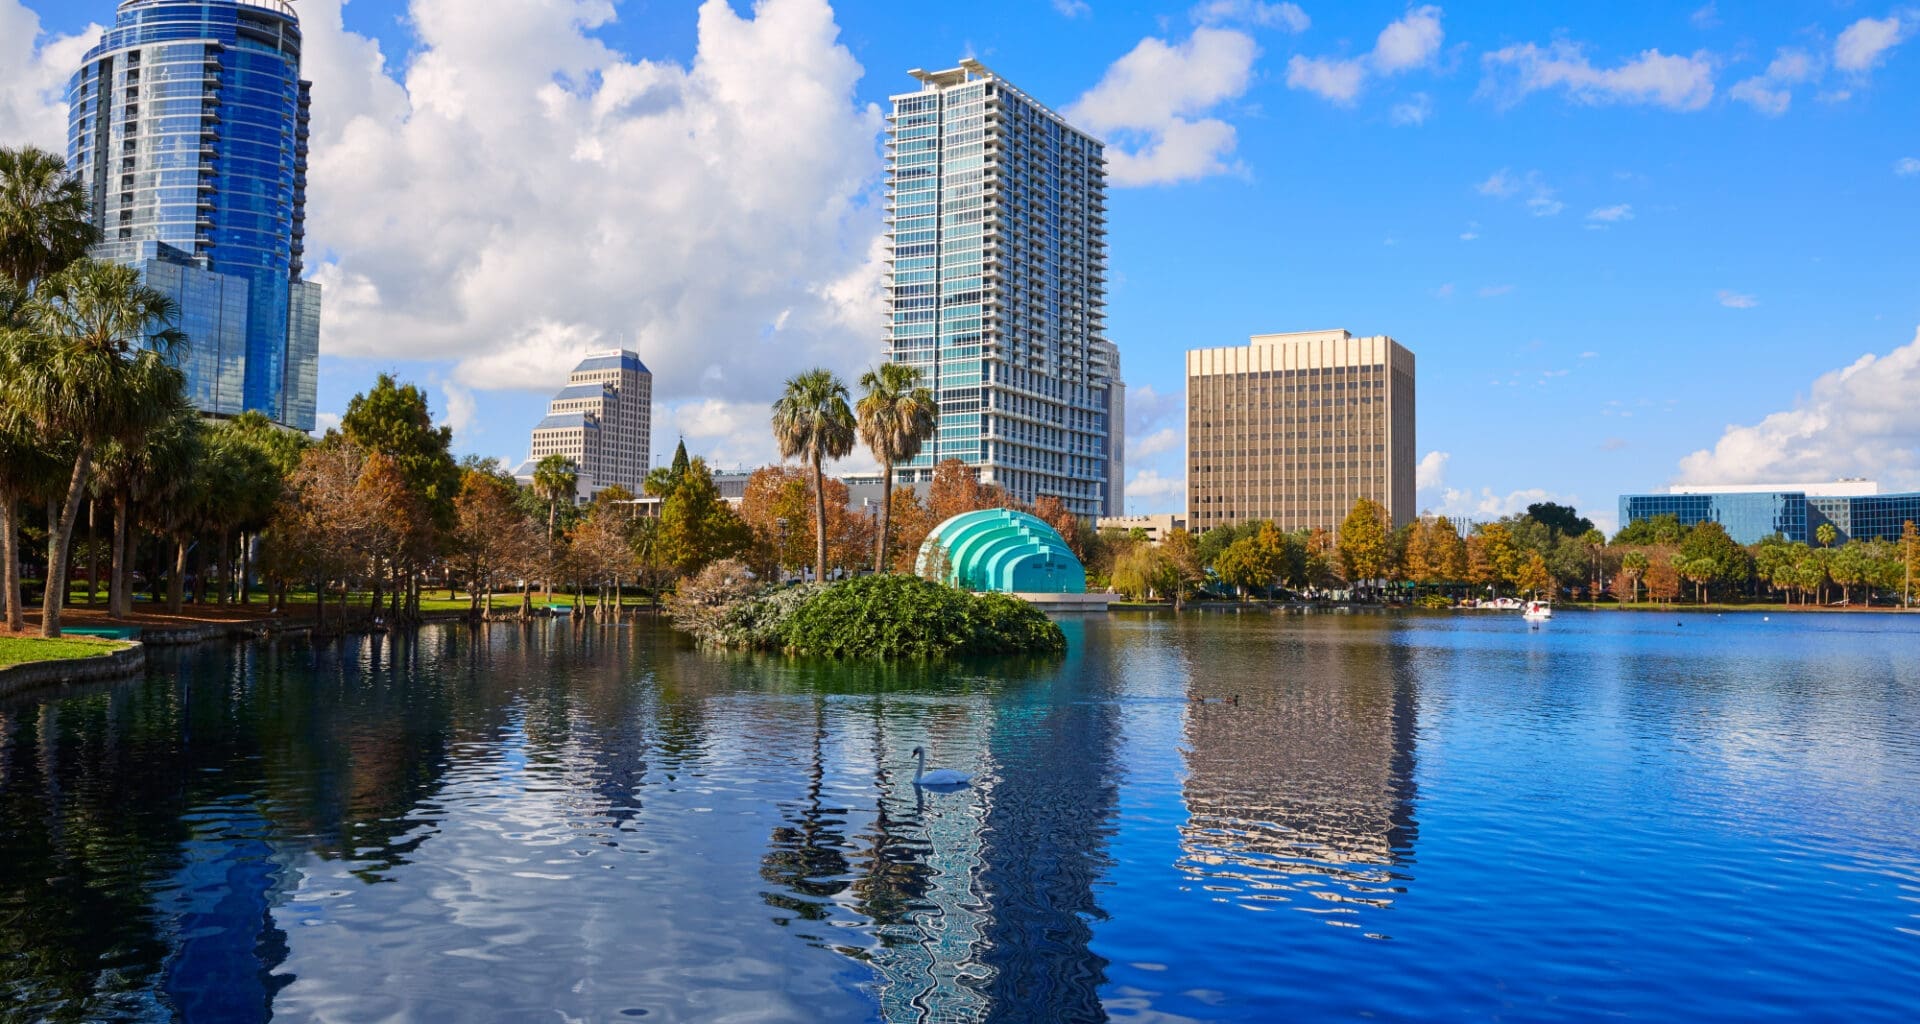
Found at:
(118, 665)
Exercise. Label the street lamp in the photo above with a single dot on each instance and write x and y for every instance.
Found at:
(780, 556)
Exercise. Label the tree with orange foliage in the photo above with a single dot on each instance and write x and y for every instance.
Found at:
(1054, 513)
(786, 492)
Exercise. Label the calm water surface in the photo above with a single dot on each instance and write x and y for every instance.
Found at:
(1401, 818)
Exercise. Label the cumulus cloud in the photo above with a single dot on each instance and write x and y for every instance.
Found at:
(1431, 474)
(34, 69)
(1412, 42)
(1159, 442)
(519, 193)
(1866, 43)
(1284, 16)
(1771, 93)
(1481, 505)
(1856, 421)
(1414, 112)
(1651, 79)
(1153, 105)
(1149, 488)
(1737, 300)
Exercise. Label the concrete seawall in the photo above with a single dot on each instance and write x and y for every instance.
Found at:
(118, 665)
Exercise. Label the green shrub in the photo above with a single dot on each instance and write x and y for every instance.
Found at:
(908, 617)
(1437, 602)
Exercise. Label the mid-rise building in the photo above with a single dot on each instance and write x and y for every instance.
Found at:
(602, 421)
(1752, 512)
(1297, 427)
(188, 123)
(1155, 525)
(996, 261)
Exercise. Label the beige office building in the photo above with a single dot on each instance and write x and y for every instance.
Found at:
(1296, 427)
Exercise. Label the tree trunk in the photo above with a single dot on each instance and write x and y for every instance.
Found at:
(820, 519)
(119, 601)
(93, 558)
(59, 544)
(177, 583)
(880, 563)
(246, 570)
(10, 553)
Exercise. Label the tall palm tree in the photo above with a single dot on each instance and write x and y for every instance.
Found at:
(555, 478)
(43, 216)
(897, 416)
(92, 367)
(812, 421)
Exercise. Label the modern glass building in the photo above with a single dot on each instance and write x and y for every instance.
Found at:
(1751, 516)
(997, 286)
(188, 123)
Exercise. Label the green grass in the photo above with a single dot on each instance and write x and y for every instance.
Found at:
(19, 650)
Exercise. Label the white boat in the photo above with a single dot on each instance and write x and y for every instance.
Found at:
(1501, 604)
(1537, 611)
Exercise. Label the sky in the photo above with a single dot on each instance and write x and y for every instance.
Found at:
(1630, 245)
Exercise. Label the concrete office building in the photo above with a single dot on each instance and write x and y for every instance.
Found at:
(1752, 512)
(997, 261)
(1296, 427)
(603, 421)
(188, 123)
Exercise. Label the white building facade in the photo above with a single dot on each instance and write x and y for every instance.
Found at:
(997, 286)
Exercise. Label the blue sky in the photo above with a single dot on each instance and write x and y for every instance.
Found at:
(1609, 235)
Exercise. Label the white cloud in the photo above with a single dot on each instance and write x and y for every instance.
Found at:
(461, 411)
(1856, 421)
(1907, 167)
(1412, 42)
(1612, 214)
(1486, 505)
(1414, 112)
(1073, 8)
(1771, 93)
(1494, 291)
(520, 193)
(1706, 17)
(1159, 442)
(34, 69)
(1653, 78)
(1149, 487)
(1152, 104)
(1284, 16)
(1736, 300)
(1330, 78)
(1431, 474)
(1866, 43)
(1541, 199)
(324, 422)
(1148, 408)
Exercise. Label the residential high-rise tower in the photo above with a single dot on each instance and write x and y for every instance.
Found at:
(1296, 427)
(997, 285)
(188, 122)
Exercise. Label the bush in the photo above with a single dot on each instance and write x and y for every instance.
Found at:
(1436, 602)
(908, 617)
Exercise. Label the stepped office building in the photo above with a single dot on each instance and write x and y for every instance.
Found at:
(1296, 427)
(1752, 512)
(997, 286)
(603, 421)
(188, 123)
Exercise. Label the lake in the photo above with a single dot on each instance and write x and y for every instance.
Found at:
(1400, 817)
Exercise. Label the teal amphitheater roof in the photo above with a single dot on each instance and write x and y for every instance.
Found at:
(1003, 551)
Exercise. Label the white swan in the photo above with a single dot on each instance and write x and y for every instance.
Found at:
(936, 777)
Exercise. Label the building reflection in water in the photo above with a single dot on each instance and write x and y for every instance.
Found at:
(1302, 794)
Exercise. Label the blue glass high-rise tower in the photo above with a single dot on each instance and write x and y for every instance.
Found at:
(188, 123)
(997, 287)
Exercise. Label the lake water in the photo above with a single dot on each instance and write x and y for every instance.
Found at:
(1402, 817)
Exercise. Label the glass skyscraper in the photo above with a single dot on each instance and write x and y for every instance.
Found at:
(997, 287)
(188, 123)
(1854, 508)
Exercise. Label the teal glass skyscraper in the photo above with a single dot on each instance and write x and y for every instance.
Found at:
(997, 286)
(188, 122)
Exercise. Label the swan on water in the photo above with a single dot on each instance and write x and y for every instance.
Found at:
(936, 777)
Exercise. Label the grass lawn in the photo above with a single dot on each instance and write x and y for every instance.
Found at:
(18, 650)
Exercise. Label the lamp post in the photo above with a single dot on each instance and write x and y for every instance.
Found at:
(780, 556)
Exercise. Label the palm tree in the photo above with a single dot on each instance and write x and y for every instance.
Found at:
(554, 478)
(92, 367)
(1595, 542)
(1826, 534)
(897, 416)
(812, 421)
(43, 216)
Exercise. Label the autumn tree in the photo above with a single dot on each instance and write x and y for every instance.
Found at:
(1052, 511)
(776, 493)
(1364, 542)
(1663, 577)
(1183, 558)
(491, 539)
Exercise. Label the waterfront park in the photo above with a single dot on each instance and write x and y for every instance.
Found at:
(378, 733)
